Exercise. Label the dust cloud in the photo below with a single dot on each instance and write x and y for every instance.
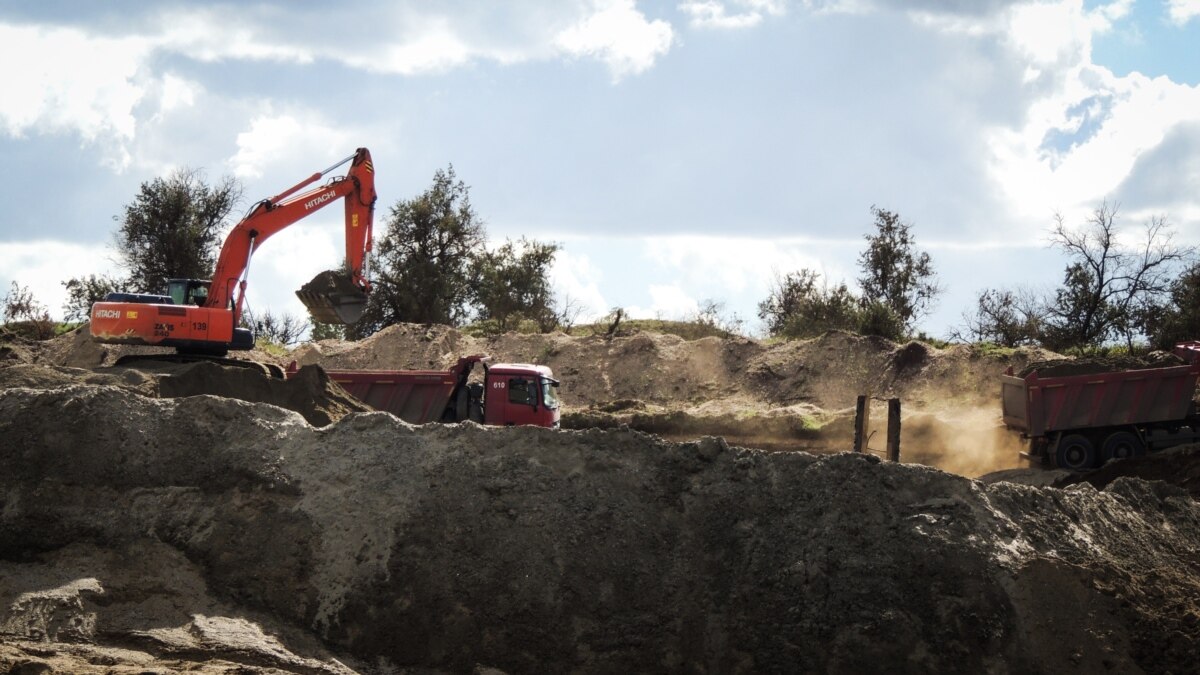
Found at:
(969, 442)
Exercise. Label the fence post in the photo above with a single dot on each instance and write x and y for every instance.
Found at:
(893, 430)
(862, 422)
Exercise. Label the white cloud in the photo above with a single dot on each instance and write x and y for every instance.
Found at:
(291, 258)
(209, 35)
(620, 35)
(413, 39)
(75, 82)
(437, 50)
(62, 80)
(285, 140)
(1049, 34)
(723, 265)
(43, 266)
(177, 92)
(668, 301)
(1183, 11)
(1139, 113)
(577, 280)
(716, 14)
(1084, 128)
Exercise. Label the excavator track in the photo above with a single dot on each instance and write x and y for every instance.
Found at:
(268, 369)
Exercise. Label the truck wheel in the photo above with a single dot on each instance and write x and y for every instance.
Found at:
(1075, 453)
(1122, 445)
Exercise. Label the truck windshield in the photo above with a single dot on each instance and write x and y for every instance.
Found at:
(549, 393)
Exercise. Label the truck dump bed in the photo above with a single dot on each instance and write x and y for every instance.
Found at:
(1038, 405)
(415, 396)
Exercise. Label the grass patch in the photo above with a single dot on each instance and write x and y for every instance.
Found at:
(35, 330)
(991, 349)
(688, 330)
(272, 348)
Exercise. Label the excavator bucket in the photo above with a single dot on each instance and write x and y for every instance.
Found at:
(331, 297)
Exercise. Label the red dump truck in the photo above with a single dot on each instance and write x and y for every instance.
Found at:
(1080, 421)
(508, 394)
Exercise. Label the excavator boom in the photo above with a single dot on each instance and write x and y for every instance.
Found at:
(322, 297)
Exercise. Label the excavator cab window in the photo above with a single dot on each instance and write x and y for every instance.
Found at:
(200, 294)
(177, 289)
(188, 291)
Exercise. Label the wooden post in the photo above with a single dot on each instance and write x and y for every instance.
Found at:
(893, 431)
(862, 423)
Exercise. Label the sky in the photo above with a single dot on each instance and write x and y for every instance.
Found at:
(678, 151)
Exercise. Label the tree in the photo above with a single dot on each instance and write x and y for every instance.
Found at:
(712, 314)
(20, 307)
(83, 292)
(512, 283)
(1107, 286)
(327, 331)
(801, 304)
(422, 263)
(173, 228)
(567, 311)
(1004, 317)
(1177, 319)
(894, 273)
(284, 329)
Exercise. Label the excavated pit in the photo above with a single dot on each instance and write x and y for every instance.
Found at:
(226, 536)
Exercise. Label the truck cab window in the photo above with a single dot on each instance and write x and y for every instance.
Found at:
(520, 391)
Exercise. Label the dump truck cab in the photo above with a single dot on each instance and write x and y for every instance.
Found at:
(521, 393)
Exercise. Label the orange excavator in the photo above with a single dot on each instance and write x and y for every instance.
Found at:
(200, 318)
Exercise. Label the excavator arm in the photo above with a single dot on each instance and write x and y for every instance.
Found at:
(331, 297)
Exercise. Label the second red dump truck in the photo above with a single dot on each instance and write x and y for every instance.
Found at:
(1080, 421)
(509, 394)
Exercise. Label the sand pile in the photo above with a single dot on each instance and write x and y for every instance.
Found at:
(136, 530)
(309, 391)
(1094, 365)
(659, 369)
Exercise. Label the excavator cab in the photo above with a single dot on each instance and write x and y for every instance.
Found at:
(333, 297)
(188, 291)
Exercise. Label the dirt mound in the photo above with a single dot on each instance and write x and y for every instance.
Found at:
(309, 391)
(1179, 466)
(77, 349)
(406, 346)
(64, 609)
(38, 376)
(1094, 365)
(459, 547)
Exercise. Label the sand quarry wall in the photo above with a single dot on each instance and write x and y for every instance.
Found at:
(787, 395)
(211, 533)
(828, 371)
